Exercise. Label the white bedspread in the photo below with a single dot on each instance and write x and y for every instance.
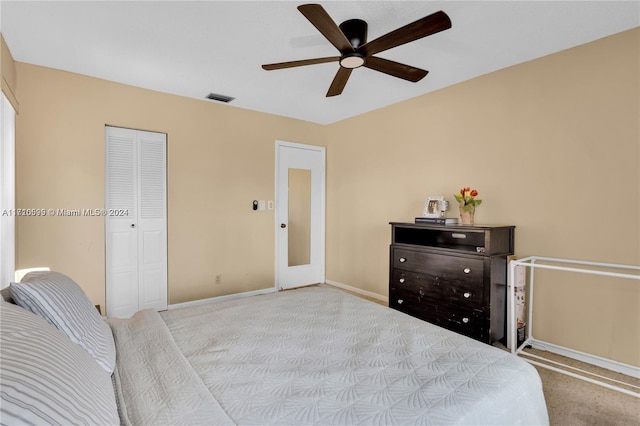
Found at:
(154, 383)
(317, 356)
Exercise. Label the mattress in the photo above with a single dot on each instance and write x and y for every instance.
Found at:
(313, 356)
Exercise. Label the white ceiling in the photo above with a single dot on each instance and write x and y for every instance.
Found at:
(194, 48)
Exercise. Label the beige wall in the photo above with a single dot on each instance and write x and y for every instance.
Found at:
(9, 80)
(220, 159)
(551, 145)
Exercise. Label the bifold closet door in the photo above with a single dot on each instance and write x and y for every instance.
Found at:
(136, 221)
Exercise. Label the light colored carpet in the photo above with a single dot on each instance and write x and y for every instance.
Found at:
(572, 401)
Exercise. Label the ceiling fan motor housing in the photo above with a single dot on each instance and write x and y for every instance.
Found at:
(355, 30)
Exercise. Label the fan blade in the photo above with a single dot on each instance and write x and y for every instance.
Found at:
(426, 26)
(323, 22)
(339, 81)
(291, 64)
(395, 69)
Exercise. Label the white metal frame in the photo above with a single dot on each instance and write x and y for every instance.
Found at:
(556, 264)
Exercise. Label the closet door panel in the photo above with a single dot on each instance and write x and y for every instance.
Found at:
(153, 269)
(152, 149)
(121, 193)
(152, 250)
(154, 295)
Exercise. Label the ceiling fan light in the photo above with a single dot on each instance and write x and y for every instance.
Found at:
(352, 61)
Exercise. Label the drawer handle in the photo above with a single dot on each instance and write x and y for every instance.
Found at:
(401, 280)
(466, 270)
(400, 301)
(467, 295)
(403, 259)
(465, 320)
(460, 236)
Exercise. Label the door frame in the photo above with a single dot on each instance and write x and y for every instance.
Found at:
(118, 222)
(321, 207)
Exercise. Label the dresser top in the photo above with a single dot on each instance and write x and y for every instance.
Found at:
(480, 240)
(452, 227)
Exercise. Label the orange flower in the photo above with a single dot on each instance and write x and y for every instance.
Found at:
(466, 198)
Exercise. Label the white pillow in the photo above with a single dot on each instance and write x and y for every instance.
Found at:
(59, 300)
(47, 379)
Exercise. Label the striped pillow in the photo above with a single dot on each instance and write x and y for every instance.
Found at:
(59, 300)
(47, 379)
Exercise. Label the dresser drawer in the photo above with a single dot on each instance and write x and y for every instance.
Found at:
(439, 265)
(419, 284)
(413, 304)
(425, 285)
(468, 322)
(462, 293)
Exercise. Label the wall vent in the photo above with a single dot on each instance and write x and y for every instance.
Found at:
(220, 98)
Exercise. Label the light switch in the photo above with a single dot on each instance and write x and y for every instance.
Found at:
(270, 205)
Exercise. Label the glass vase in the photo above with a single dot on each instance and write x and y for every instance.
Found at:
(466, 216)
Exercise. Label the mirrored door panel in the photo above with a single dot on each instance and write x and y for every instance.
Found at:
(299, 217)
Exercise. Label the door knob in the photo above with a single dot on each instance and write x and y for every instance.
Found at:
(133, 225)
(283, 225)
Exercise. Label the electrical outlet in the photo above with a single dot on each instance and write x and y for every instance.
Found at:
(270, 205)
(218, 279)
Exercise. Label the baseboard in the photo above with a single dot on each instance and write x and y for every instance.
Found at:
(358, 291)
(609, 364)
(221, 298)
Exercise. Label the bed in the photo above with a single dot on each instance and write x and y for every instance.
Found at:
(310, 356)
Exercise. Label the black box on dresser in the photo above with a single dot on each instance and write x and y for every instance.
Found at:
(454, 276)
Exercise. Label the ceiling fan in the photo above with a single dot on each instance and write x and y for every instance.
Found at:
(350, 38)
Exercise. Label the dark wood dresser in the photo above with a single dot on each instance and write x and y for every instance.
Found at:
(452, 276)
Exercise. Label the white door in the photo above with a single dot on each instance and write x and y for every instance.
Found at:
(136, 221)
(7, 192)
(300, 214)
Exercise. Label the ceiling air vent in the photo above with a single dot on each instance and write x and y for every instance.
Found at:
(220, 98)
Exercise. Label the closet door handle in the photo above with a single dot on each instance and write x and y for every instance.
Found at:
(133, 225)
